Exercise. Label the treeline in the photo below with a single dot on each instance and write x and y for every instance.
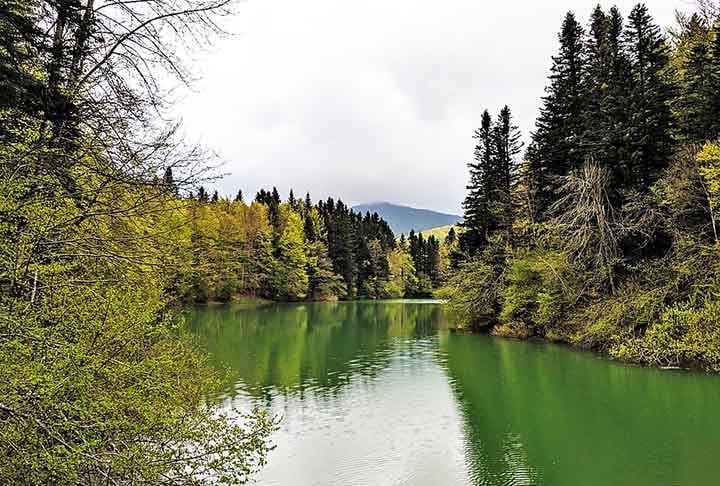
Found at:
(298, 250)
(605, 234)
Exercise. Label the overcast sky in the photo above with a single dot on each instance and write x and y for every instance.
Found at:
(372, 100)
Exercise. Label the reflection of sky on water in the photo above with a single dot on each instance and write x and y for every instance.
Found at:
(374, 394)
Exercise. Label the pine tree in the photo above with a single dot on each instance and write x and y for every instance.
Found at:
(451, 236)
(506, 140)
(324, 283)
(714, 83)
(698, 104)
(202, 195)
(262, 197)
(272, 201)
(215, 197)
(239, 196)
(598, 82)
(556, 146)
(169, 181)
(20, 46)
(413, 247)
(433, 260)
(291, 199)
(488, 204)
(475, 206)
(650, 124)
(613, 120)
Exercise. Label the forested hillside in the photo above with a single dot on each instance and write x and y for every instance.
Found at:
(297, 250)
(605, 234)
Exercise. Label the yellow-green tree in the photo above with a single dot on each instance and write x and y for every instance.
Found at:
(402, 276)
(290, 276)
(709, 160)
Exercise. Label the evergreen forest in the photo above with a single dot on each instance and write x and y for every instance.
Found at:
(297, 250)
(603, 231)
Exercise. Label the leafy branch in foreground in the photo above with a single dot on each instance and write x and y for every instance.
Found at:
(99, 382)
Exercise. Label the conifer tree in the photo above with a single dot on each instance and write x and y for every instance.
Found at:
(488, 204)
(432, 262)
(20, 43)
(507, 146)
(475, 206)
(239, 196)
(262, 197)
(451, 236)
(698, 104)
(168, 181)
(215, 197)
(598, 81)
(272, 201)
(612, 121)
(291, 199)
(324, 283)
(650, 123)
(556, 146)
(202, 195)
(714, 83)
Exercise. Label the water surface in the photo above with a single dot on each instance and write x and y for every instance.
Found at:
(379, 393)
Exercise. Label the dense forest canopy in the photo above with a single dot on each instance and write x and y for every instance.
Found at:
(300, 250)
(605, 233)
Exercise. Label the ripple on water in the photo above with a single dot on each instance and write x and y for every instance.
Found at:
(373, 395)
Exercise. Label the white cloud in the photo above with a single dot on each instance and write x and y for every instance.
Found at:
(372, 100)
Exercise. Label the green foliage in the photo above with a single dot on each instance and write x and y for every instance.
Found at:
(96, 383)
(98, 379)
(709, 169)
(290, 279)
(684, 334)
(283, 251)
(425, 253)
(402, 274)
(488, 204)
(474, 292)
(534, 293)
(99, 383)
(556, 146)
(325, 284)
(613, 241)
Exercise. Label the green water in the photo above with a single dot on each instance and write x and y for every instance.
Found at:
(381, 394)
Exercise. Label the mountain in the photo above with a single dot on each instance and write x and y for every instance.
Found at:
(404, 218)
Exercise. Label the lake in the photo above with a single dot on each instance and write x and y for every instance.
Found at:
(380, 393)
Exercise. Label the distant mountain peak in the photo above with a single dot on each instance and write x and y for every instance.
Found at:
(402, 218)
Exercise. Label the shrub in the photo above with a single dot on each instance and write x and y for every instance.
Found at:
(684, 335)
(534, 294)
